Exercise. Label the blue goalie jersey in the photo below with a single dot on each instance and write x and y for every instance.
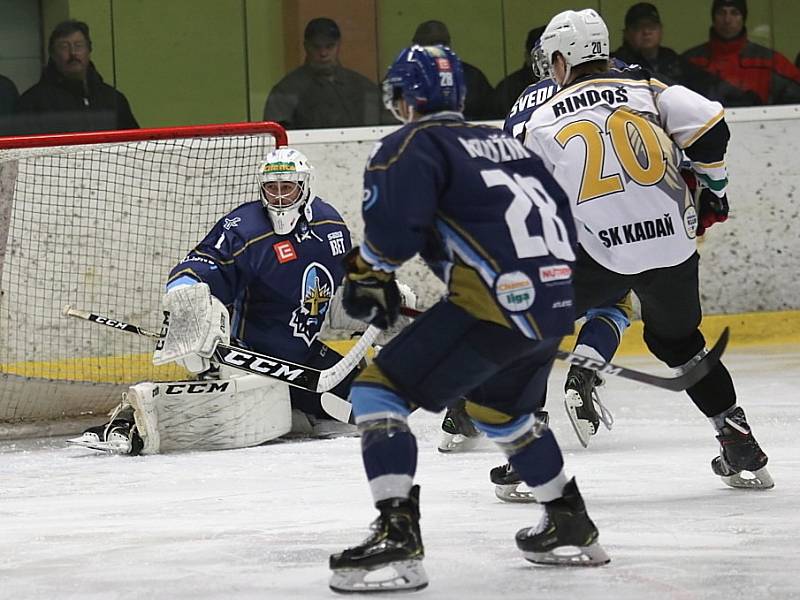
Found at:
(483, 212)
(277, 287)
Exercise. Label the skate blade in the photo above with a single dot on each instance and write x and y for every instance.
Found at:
(746, 480)
(511, 493)
(583, 428)
(592, 555)
(117, 447)
(456, 442)
(401, 576)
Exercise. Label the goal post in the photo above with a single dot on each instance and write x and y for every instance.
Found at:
(97, 220)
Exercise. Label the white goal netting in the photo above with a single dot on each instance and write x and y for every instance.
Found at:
(98, 225)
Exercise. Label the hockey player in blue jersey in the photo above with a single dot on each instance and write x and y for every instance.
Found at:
(272, 266)
(483, 213)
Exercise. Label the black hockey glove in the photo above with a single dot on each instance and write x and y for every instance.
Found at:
(710, 209)
(369, 295)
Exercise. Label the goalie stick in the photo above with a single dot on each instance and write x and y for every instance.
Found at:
(294, 374)
(685, 376)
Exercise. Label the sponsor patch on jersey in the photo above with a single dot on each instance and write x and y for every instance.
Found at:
(284, 251)
(336, 241)
(553, 273)
(690, 221)
(443, 64)
(514, 291)
(316, 292)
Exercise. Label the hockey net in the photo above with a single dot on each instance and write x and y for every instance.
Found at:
(97, 220)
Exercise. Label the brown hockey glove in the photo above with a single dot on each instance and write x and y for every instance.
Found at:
(369, 295)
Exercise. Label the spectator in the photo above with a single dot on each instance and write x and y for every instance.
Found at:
(71, 94)
(509, 89)
(758, 75)
(8, 96)
(323, 93)
(480, 102)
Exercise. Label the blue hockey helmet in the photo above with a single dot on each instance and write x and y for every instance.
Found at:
(429, 78)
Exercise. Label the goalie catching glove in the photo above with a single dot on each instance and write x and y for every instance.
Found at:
(196, 322)
(369, 295)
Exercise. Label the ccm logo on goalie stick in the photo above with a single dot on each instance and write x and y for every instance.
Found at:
(240, 358)
(197, 387)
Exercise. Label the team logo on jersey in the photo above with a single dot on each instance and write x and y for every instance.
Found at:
(284, 251)
(316, 293)
(370, 197)
(234, 222)
(514, 291)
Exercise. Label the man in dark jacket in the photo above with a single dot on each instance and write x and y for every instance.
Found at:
(321, 92)
(71, 95)
(642, 46)
(757, 75)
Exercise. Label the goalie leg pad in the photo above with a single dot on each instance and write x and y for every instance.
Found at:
(210, 415)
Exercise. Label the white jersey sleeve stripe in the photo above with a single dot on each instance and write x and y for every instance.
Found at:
(699, 133)
(686, 115)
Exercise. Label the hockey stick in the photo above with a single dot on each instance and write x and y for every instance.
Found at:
(294, 374)
(685, 376)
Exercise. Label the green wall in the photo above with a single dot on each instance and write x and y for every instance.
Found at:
(204, 61)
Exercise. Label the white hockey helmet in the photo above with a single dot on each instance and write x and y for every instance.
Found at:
(579, 36)
(285, 202)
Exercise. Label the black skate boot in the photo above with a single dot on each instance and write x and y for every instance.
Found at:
(564, 526)
(117, 437)
(395, 543)
(740, 452)
(580, 397)
(458, 431)
(506, 480)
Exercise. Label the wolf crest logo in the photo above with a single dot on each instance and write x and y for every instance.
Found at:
(315, 297)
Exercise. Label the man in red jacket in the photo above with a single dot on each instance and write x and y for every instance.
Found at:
(758, 75)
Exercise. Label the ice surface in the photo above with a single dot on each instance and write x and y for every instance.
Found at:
(261, 522)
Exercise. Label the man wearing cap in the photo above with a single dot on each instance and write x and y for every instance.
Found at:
(758, 74)
(642, 46)
(322, 93)
(509, 89)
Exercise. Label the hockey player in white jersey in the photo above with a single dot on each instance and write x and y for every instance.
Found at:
(614, 141)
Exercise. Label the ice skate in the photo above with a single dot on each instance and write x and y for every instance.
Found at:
(741, 463)
(507, 482)
(390, 559)
(580, 398)
(458, 431)
(565, 535)
(117, 437)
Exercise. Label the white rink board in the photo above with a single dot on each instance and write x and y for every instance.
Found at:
(260, 523)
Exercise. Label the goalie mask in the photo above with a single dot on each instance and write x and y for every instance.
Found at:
(285, 180)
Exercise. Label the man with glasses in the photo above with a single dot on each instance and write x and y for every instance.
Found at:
(71, 95)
